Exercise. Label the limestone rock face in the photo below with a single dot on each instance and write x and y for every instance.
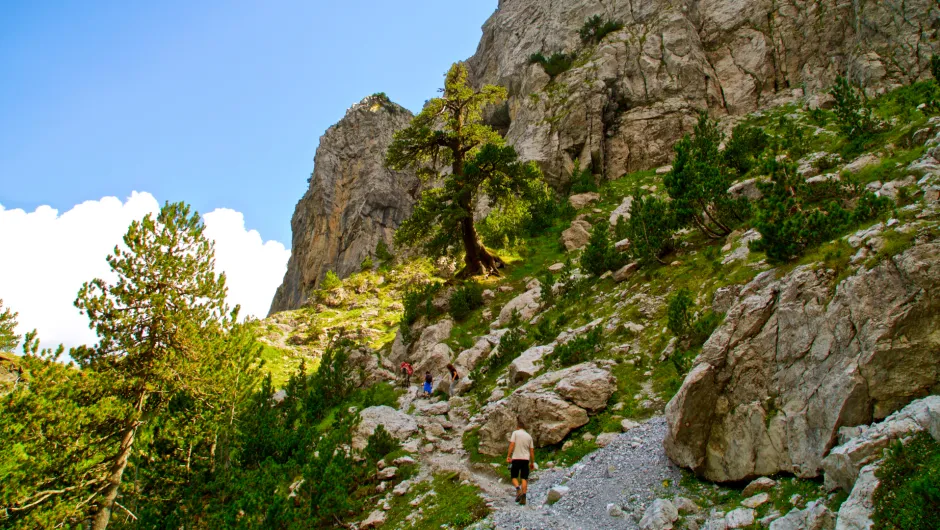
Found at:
(628, 98)
(551, 406)
(353, 201)
(798, 358)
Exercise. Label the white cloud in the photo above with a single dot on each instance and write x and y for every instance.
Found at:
(46, 257)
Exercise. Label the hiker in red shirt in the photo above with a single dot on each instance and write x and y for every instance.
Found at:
(406, 371)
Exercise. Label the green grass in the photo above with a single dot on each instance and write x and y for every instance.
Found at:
(908, 496)
(454, 505)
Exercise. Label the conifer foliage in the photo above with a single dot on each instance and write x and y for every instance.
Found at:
(450, 132)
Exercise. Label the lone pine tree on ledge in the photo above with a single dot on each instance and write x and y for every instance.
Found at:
(450, 132)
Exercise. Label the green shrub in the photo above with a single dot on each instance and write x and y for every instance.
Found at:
(367, 264)
(853, 113)
(380, 444)
(745, 148)
(465, 299)
(331, 281)
(703, 327)
(792, 138)
(547, 281)
(416, 302)
(650, 228)
(510, 346)
(679, 312)
(382, 253)
(582, 180)
(908, 495)
(579, 349)
(793, 217)
(699, 182)
(599, 255)
(596, 28)
(555, 64)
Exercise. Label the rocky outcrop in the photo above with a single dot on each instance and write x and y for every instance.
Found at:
(353, 201)
(397, 423)
(628, 98)
(799, 357)
(551, 406)
(843, 464)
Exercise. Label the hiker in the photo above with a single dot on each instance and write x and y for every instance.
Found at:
(406, 371)
(454, 377)
(428, 384)
(522, 457)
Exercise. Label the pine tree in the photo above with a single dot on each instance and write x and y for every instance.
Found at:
(699, 182)
(600, 255)
(8, 337)
(450, 132)
(159, 327)
(650, 228)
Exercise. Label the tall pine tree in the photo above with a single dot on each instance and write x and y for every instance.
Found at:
(450, 133)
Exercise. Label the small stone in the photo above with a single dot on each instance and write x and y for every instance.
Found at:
(685, 505)
(740, 518)
(614, 511)
(759, 485)
(375, 520)
(556, 493)
(604, 439)
(659, 516)
(756, 500)
(387, 473)
(556, 267)
(587, 437)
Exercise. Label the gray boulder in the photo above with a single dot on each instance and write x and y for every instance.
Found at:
(798, 358)
(397, 423)
(659, 516)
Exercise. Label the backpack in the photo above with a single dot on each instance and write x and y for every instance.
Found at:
(407, 368)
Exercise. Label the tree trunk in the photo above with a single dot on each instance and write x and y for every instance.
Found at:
(103, 517)
(477, 260)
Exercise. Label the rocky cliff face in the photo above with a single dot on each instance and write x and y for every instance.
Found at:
(627, 99)
(353, 201)
(798, 358)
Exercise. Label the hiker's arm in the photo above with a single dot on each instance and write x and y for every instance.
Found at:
(532, 458)
(512, 445)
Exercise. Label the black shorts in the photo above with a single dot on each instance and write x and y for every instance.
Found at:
(519, 469)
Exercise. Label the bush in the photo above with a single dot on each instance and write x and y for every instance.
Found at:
(331, 281)
(465, 299)
(416, 302)
(908, 495)
(555, 64)
(380, 444)
(596, 28)
(600, 255)
(792, 217)
(744, 148)
(367, 264)
(853, 113)
(650, 228)
(579, 349)
(679, 312)
(547, 281)
(699, 182)
(582, 180)
(510, 346)
(382, 253)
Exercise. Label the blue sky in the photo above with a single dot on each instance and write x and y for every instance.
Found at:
(220, 104)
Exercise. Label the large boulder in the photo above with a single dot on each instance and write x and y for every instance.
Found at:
(856, 512)
(469, 358)
(844, 463)
(397, 423)
(798, 357)
(622, 212)
(424, 353)
(528, 363)
(354, 201)
(816, 516)
(551, 406)
(577, 235)
(526, 304)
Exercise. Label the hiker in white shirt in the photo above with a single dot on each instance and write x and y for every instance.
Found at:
(522, 457)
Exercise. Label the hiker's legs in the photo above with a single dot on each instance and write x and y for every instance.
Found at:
(525, 486)
(515, 483)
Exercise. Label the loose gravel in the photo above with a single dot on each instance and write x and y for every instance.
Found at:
(631, 472)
